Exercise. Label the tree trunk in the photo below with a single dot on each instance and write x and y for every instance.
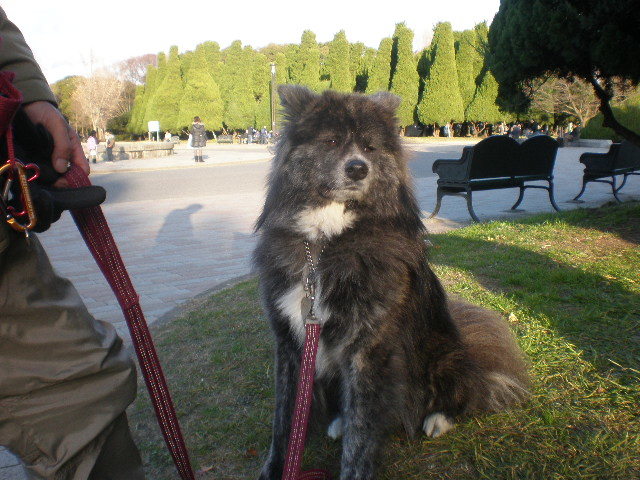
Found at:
(609, 119)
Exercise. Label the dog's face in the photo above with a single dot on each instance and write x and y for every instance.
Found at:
(341, 147)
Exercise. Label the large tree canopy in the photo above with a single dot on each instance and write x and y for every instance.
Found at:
(594, 40)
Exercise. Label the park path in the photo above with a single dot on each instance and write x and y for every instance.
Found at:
(176, 249)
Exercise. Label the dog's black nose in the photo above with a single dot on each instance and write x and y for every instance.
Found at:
(356, 169)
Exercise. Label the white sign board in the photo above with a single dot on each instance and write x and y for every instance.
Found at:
(154, 126)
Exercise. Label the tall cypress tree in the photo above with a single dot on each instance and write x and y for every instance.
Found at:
(235, 84)
(404, 75)
(201, 95)
(338, 63)
(135, 120)
(380, 76)
(424, 64)
(153, 79)
(290, 52)
(213, 58)
(361, 59)
(441, 100)
(305, 68)
(467, 54)
(483, 107)
(165, 103)
(150, 88)
(260, 80)
(282, 68)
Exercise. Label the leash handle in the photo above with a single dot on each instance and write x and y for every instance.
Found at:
(96, 233)
(304, 396)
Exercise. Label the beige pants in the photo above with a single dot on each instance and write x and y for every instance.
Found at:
(65, 380)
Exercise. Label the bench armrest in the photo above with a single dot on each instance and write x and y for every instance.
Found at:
(600, 161)
(454, 170)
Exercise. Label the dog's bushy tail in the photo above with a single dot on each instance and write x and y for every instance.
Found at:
(492, 349)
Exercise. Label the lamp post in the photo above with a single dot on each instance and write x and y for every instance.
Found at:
(273, 98)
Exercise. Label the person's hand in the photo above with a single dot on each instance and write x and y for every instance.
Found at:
(45, 139)
(67, 149)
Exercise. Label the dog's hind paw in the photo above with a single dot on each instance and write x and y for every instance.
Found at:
(437, 424)
(335, 428)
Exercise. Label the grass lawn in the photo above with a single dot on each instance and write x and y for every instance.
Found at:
(569, 284)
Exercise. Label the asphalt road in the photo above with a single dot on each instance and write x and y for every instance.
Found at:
(205, 181)
(211, 180)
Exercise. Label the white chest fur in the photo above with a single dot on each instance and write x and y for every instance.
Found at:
(326, 221)
(290, 305)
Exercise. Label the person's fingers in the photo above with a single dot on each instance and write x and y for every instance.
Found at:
(66, 145)
(61, 183)
(77, 154)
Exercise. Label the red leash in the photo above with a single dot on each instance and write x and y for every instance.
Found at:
(304, 395)
(97, 235)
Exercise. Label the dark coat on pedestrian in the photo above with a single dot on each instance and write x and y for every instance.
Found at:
(198, 135)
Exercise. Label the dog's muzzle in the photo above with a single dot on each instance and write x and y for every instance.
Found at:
(356, 169)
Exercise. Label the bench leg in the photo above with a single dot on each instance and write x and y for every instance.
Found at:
(519, 201)
(624, 180)
(470, 207)
(551, 199)
(438, 202)
(584, 185)
(614, 190)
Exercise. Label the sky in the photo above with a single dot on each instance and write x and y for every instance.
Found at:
(72, 37)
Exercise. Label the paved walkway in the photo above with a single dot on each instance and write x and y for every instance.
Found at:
(177, 249)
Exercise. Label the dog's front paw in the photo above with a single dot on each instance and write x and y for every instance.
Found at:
(437, 424)
(335, 428)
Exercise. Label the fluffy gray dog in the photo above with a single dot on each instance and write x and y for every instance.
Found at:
(394, 351)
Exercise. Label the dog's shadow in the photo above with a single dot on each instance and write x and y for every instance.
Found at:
(178, 226)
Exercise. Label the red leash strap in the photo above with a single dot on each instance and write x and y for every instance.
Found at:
(304, 395)
(97, 235)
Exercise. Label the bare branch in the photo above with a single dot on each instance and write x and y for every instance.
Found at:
(99, 98)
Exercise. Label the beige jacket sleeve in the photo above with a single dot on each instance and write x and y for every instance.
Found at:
(16, 56)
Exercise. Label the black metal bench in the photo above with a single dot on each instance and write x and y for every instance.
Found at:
(497, 162)
(621, 159)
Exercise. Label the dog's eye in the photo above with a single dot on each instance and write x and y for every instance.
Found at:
(369, 148)
(332, 142)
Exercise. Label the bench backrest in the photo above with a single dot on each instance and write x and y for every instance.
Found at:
(537, 156)
(494, 157)
(628, 156)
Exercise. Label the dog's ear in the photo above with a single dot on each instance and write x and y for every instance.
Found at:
(295, 99)
(388, 101)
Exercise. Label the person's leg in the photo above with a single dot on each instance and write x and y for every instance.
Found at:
(119, 458)
(65, 379)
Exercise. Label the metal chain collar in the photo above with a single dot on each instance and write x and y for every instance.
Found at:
(310, 280)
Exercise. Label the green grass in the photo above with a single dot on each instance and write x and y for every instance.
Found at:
(569, 285)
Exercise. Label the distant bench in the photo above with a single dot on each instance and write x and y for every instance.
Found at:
(225, 139)
(621, 159)
(162, 149)
(497, 162)
(129, 150)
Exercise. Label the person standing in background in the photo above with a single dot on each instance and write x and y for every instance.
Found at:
(92, 146)
(110, 140)
(198, 138)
